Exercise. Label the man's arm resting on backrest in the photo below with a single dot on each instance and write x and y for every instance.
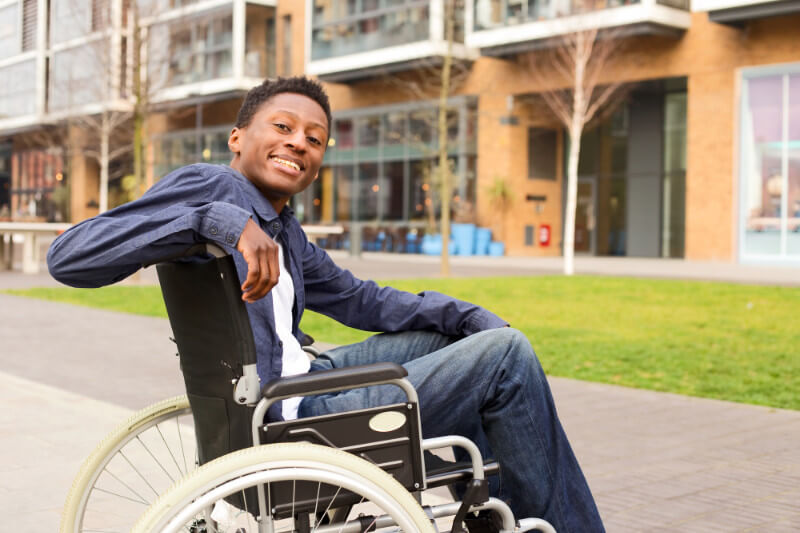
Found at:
(109, 247)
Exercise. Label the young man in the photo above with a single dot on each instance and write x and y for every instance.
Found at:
(474, 376)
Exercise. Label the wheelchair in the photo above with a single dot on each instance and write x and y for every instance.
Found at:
(206, 462)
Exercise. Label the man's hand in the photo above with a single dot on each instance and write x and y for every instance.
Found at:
(261, 254)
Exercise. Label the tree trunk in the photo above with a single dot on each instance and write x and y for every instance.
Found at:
(575, 131)
(444, 169)
(572, 198)
(105, 133)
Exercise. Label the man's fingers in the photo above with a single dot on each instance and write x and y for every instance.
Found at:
(263, 280)
(253, 275)
(273, 267)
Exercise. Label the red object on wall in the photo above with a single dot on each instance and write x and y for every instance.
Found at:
(544, 235)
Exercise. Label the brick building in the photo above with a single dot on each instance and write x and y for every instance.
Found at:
(700, 160)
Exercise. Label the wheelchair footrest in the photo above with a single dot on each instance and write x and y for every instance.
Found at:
(477, 493)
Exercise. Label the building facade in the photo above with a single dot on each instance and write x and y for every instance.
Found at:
(699, 158)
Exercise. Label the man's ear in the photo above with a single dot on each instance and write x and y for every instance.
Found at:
(233, 140)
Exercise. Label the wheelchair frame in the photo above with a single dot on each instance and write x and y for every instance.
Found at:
(246, 393)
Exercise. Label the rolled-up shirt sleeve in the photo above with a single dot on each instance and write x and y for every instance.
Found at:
(164, 222)
(365, 305)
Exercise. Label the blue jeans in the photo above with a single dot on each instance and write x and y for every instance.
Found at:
(490, 388)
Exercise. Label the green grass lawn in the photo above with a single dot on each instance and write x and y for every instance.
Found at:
(716, 340)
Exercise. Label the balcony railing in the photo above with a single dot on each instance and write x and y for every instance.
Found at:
(505, 26)
(348, 39)
(368, 30)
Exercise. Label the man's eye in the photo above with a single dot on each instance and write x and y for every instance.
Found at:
(315, 140)
(281, 126)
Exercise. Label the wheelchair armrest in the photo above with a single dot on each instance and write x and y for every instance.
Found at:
(334, 379)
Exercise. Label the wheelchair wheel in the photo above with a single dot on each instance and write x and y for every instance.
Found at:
(131, 467)
(297, 467)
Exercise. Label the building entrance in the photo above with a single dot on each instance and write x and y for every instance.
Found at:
(631, 177)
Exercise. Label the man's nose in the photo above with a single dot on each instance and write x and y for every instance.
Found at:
(297, 140)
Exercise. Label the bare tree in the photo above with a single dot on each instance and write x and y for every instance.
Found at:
(88, 92)
(575, 96)
(438, 78)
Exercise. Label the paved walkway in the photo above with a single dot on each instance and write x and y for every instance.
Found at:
(655, 461)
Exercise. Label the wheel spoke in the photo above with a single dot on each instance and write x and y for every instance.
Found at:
(147, 448)
(138, 473)
(142, 499)
(180, 439)
(169, 450)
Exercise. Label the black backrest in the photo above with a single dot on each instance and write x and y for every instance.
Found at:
(212, 330)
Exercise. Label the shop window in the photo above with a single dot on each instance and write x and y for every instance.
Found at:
(770, 164)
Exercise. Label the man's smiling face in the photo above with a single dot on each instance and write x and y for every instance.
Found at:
(281, 149)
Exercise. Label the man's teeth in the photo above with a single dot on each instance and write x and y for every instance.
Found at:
(284, 162)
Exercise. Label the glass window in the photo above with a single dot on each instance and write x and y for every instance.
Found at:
(420, 189)
(368, 191)
(421, 132)
(179, 148)
(368, 136)
(77, 76)
(286, 48)
(191, 50)
(342, 27)
(345, 189)
(770, 169)
(763, 178)
(69, 19)
(389, 180)
(9, 35)
(38, 187)
(393, 190)
(260, 42)
(344, 134)
(394, 135)
(18, 89)
(542, 153)
(673, 219)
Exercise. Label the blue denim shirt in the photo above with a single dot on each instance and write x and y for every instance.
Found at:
(202, 202)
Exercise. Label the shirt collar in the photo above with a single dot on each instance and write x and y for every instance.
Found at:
(260, 204)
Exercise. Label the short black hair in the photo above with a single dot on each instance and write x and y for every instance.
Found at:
(296, 84)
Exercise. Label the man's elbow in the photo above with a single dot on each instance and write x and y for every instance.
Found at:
(63, 269)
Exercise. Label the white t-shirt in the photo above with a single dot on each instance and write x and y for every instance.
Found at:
(295, 360)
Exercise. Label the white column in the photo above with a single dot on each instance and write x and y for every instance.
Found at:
(30, 253)
(41, 56)
(238, 30)
(437, 21)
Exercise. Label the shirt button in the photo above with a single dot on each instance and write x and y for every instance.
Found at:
(213, 230)
(280, 343)
(230, 239)
(275, 226)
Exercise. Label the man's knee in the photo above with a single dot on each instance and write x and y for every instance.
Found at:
(518, 350)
